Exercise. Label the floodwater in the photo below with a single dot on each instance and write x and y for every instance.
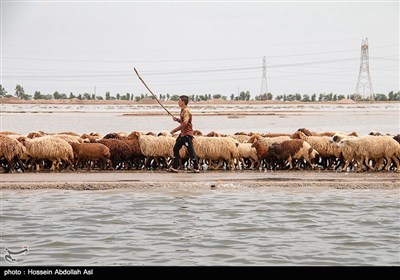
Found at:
(230, 227)
(104, 119)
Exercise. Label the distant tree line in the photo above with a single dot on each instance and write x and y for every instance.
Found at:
(244, 95)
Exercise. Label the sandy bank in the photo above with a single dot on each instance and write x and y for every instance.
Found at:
(147, 101)
(204, 180)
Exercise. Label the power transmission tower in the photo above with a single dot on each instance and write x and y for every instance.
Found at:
(364, 84)
(264, 90)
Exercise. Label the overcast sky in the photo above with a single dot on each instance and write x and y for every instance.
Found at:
(197, 48)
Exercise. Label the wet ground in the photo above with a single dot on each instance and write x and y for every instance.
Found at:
(205, 179)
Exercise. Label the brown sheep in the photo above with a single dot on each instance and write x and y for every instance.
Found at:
(120, 152)
(11, 150)
(197, 133)
(292, 149)
(7, 133)
(312, 133)
(133, 142)
(270, 135)
(34, 134)
(262, 152)
(92, 152)
(215, 134)
(69, 133)
(88, 138)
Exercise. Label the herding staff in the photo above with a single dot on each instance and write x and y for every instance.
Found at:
(137, 73)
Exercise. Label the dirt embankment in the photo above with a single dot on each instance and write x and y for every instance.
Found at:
(204, 180)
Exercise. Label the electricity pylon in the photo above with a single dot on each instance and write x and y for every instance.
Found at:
(264, 89)
(364, 84)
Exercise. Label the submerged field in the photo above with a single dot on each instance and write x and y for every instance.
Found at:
(222, 118)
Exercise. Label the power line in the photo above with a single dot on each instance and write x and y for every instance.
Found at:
(178, 71)
(180, 60)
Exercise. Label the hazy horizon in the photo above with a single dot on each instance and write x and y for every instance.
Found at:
(197, 48)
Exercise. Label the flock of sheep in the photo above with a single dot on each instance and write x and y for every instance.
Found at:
(303, 149)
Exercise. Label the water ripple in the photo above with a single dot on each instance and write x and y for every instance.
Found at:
(219, 227)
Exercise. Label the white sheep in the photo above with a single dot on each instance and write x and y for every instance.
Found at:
(157, 147)
(216, 149)
(246, 151)
(346, 151)
(374, 148)
(324, 146)
(49, 147)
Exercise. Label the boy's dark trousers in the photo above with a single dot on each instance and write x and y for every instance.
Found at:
(187, 141)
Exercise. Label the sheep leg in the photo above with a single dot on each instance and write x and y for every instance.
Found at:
(9, 166)
(243, 164)
(389, 162)
(53, 165)
(289, 160)
(109, 164)
(366, 161)
(231, 164)
(252, 162)
(20, 164)
(220, 162)
(396, 161)
(147, 162)
(380, 163)
(346, 164)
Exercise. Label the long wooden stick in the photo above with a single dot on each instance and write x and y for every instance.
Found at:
(140, 78)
